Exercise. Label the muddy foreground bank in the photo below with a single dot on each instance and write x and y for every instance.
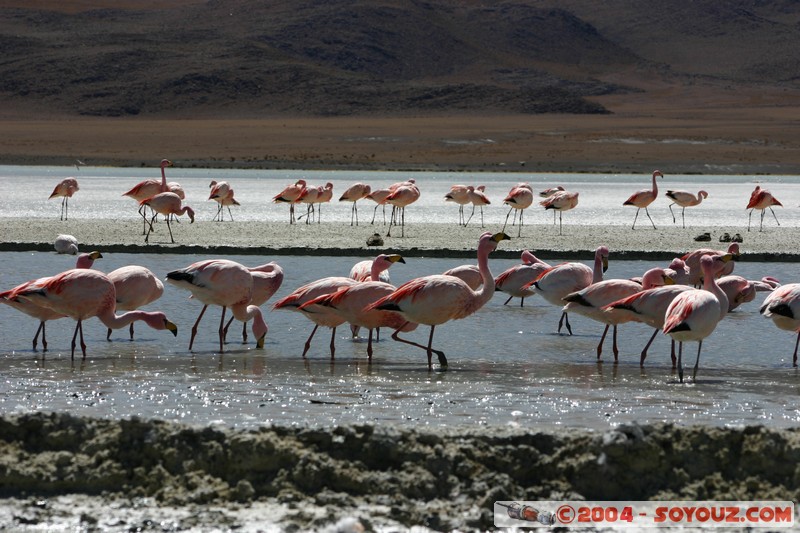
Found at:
(57, 470)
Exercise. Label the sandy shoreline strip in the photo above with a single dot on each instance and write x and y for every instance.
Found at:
(421, 240)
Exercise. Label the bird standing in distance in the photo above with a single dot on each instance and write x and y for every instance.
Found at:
(147, 189)
(513, 279)
(762, 200)
(520, 197)
(434, 300)
(477, 197)
(645, 197)
(321, 315)
(309, 197)
(65, 189)
(404, 195)
(324, 195)
(684, 199)
(43, 314)
(83, 293)
(590, 302)
(558, 281)
(166, 203)
(222, 193)
(291, 195)
(547, 193)
(226, 284)
(458, 194)
(379, 197)
(66, 244)
(354, 193)
(694, 314)
(267, 279)
(783, 306)
(560, 201)
(135, 286)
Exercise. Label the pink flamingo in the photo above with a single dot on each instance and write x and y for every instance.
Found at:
(558, 281)
(458, 194)
(222, 193)
(740, 290)
(682, 272)
(684, 199)
(351, 303)
(761, 199)
(354, 193)
(590, 302)
(147, 189)
(166, 203)
(694, 314)
(641, 199)
(783, 307)
(692, 262)
(43, 314)
(434, 300)
(320, 315)
(226, 284)
(520, 198)
(135, 286)
(379, 197)
(291, 195)
(513, 279)
(83, 293)
(325, 195)
(404, 195)
(362, 271)
(309, 196)
(477, 197)
(267, 279)
(560, 201)
(65, 189)
(547, 193)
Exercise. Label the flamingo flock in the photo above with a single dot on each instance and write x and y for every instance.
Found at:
(665, 298)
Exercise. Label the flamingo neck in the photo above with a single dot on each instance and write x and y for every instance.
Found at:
(164, 186)
(246, 313)
(597, 273)
(153, 319)
(486, 291)
(378, 266)
(710, 284)
(655, 185)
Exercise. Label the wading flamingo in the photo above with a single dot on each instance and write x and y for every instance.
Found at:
(560, 201)
(83, 293)
(558, 281)
(520, 197)
(740, 290)
(458, 194)
(692, 262)
(320, 315)
(267, 279)
(291, 195)
(783, 307)
(641, 199)
(513, 279)
(43, 314)
(684, 199)
(379, 197)
(135, 286)
(694, 314)
(354, 193)
(762, 200)
(477, 197)
(434, 300)
(65, 189)
(590, 302)
(149, 188)
(166, 203)
(226, 284)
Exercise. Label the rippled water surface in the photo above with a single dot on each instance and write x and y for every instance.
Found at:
(507, 364)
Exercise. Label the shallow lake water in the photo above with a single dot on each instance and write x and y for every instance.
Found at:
(508, 367)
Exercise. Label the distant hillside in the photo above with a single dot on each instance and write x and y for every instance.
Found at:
(250, 58)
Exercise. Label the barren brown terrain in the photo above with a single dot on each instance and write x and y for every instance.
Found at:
(520, 86)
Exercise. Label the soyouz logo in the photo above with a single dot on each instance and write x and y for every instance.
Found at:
(771, 514)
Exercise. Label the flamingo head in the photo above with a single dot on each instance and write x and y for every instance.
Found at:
(170, 326)
(165, 163)
(495, 239)
(87, 260)
(190, 212)
(703, 194)
(656, 277)
(658, 173)
(601, 254)
(213, 182)
(733, 250)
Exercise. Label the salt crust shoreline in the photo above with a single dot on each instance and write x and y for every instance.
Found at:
(420, 240)
(153, 474)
